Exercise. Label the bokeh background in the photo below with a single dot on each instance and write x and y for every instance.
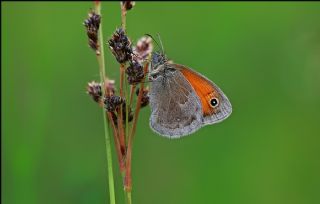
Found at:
(264, 55)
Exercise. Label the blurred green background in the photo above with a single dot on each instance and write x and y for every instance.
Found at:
(264, 55)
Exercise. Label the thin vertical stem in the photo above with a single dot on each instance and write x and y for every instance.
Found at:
(123, 23)
(123, 16)
(129, 200)
(100, 58)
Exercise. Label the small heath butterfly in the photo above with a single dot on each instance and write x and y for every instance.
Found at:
(182, 100)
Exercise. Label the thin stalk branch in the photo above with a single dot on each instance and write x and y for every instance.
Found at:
(120, 116)
(127, 109)
(123, 16)
(128, 179)
(123, 23)
(117, 143)
(132, 88)
(100, 58)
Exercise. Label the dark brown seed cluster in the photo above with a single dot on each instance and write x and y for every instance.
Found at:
(145, 97)
(92, 24)
(112, 105)
(120, 46)
(134, 72)
(94, 90)
(127, 5)
(112, 102)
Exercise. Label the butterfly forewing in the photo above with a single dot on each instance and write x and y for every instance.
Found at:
(176, 109)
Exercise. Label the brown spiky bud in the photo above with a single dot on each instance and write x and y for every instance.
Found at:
(94, 90)
(120, 46)
(127, 5)
(145, 96)
(92, 23)
(112, 102)
(134, 72)
(143, 49)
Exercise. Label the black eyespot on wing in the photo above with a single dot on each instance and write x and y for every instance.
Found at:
(214, 102)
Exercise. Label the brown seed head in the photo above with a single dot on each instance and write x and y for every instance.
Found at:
(92, 24)
(143, 49)
(94, 90)
(134, 72)
(112, 102)
(127, 5)
(120, 46)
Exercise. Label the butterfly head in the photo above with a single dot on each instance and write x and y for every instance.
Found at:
(158, 58)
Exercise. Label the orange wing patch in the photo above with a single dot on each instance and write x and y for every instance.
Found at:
(204, 89)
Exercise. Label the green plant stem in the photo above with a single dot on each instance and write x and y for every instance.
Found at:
(101, 62)
(129, 198)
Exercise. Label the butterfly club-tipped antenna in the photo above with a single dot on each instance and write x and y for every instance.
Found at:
(160, 47)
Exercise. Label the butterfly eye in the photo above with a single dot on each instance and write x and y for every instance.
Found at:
(214, 102)
(154, 76)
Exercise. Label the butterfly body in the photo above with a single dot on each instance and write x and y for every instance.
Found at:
(182, 100)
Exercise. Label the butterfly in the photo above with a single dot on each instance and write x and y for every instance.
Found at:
(182, 100)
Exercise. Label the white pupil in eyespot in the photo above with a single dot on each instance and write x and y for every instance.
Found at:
(214, 102)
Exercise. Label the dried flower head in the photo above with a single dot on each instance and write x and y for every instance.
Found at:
(112, 102)
(94, 90)
(145, 96)
(134, 72)
(92, 24)
(143, 49)
(127, 5)
(120, 46)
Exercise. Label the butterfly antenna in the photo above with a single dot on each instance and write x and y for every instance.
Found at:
(154, 41)
(162, 48)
